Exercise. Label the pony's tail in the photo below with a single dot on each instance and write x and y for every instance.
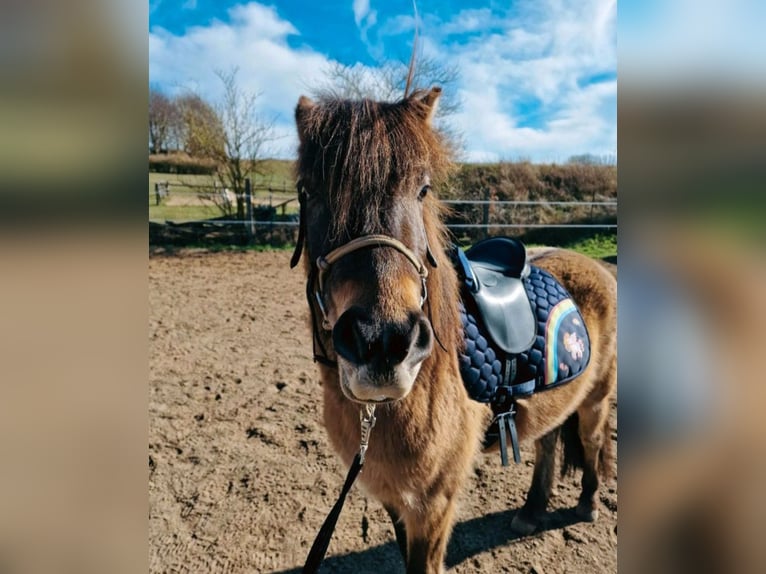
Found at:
(573, 453)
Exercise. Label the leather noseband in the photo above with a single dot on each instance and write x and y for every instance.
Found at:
(325, 262)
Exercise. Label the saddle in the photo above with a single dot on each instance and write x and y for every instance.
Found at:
(493, 271)
(522, 331)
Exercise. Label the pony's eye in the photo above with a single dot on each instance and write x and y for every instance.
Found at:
(424, 191)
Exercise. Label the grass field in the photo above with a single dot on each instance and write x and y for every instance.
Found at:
(184, 204)
(599, 247)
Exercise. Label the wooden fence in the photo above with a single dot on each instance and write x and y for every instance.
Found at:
(469, 220)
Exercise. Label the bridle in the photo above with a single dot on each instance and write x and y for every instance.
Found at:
(324, 263)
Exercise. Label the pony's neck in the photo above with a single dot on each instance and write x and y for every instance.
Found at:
(442, 310)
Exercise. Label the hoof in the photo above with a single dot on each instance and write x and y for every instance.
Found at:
(585, 513)
(521, 526)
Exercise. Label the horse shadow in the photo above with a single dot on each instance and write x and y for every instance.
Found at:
(469, 538)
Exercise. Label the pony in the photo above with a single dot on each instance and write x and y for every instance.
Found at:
(383, 297)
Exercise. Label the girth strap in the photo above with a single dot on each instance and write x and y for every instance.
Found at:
(503, 420)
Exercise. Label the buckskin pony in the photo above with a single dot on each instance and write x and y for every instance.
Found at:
(384, 297)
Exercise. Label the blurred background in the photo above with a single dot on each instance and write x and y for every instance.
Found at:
(73, 247)
(691, 126)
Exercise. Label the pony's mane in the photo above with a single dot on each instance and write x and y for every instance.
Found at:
(362, 149)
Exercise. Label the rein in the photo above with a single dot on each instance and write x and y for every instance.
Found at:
(322, 540)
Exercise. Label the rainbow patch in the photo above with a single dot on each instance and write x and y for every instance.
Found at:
(556, 318)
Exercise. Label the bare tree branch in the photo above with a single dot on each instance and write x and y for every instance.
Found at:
(163, 121)
(387, 81)
(245, 136)
(232, 134)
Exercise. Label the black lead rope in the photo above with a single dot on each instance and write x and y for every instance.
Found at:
(322, 540)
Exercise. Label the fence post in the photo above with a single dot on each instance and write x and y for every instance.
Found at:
(272, 211)
(249, 224)
(157, 192)
(485, 219)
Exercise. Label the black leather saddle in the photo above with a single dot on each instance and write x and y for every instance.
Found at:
(493, 271)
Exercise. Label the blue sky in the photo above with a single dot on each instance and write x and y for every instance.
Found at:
(538, 78)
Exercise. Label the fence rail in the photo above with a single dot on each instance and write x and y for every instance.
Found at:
(450, 225)
(528, 202)
(266, 222)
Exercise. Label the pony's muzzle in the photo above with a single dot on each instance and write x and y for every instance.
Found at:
(385, 357)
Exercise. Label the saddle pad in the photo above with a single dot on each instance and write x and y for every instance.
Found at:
(560, 351)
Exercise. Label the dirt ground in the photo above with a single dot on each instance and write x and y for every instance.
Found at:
(241, 474)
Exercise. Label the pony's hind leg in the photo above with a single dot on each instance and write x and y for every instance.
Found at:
(399, 530)
(592, 431)
(527, 518)
(597, 449)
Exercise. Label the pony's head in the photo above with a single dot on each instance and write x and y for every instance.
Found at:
(365, 170)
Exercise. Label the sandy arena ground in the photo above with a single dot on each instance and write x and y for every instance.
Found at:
(241, 474)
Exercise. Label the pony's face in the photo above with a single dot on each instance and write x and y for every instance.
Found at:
(365, 169)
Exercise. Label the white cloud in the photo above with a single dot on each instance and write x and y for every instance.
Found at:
(365, 19)
(470, 20)
(361, 8)
(543, 52)
(255, 41)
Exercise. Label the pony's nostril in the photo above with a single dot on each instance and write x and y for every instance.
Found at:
(396, 343)
(348, 337)
(424, 338)
(381, 346)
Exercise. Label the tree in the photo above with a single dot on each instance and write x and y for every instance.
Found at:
(591, 159)
(387, 81)
(201, 132)
(163, 121)
(232, 134)
(245, 136)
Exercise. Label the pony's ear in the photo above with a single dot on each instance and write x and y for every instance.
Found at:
(302, 110)
(431, 101)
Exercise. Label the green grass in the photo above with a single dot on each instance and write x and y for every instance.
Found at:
(182, 213)
(219, 248)
(278, 174)
(597, 247)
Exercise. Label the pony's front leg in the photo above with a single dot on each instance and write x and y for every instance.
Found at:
(427, 535)
(399, 530)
